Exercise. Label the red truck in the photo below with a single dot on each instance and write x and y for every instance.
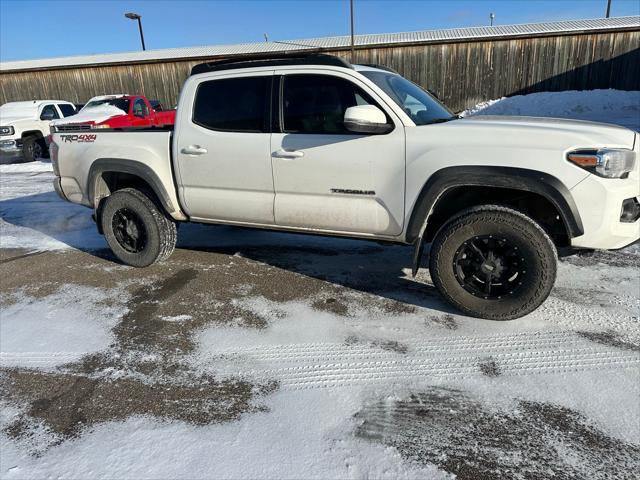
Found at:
(118, 111)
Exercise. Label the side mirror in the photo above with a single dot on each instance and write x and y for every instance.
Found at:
(366, 119)
(47, 116)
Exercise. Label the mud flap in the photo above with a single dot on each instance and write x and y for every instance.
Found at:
(417, 255)
(95, 216)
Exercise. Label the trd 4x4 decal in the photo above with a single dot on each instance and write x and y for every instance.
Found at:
(84, 138)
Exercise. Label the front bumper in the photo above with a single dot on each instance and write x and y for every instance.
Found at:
(601, 205)
(10, 151)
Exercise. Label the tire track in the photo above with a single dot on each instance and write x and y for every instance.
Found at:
(507, 339)
(468, 372)
(320, 365)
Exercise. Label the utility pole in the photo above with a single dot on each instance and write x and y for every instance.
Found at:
(608, 8)
(135, 16)
(352, 47)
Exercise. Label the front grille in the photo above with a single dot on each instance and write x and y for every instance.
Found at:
(72, 128)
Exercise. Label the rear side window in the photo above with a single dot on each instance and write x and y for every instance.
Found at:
(66, 109)
(317, 103)
(234, 104)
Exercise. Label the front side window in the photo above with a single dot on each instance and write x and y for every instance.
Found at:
(418, 104)
(49, 112)
(317, 103)
(66, 109)
(140, 108)
(234, 104)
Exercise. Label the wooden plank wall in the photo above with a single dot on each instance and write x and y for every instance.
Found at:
(461, 74)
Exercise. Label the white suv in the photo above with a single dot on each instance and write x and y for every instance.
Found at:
(25, 125)
(314, 144)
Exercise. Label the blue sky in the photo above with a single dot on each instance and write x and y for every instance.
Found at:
(37, 29)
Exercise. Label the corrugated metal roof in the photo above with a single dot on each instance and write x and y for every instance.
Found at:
(428, 36)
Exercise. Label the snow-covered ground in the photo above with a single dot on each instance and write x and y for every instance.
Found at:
(252, 354)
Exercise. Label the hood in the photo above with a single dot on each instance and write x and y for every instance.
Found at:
(562, 132)
(11, 120)
(17, 121)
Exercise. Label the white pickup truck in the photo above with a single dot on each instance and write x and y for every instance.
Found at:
(25, 125)
(314, 144)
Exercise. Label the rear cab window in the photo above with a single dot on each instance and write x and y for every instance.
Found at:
(66, 109)
(240, 104)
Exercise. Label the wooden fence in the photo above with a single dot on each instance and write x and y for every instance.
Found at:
(461, 73)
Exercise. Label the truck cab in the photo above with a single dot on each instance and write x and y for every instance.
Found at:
(25, 125)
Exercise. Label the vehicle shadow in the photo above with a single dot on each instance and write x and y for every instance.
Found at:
(360, 265)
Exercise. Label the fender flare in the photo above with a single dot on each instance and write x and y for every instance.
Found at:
(514, 178)
(132, 167)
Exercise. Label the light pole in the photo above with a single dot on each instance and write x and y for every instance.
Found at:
(135, 16)
(351, 15)
(491, 17)
(608, 8)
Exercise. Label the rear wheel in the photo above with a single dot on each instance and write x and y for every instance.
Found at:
(138, 232)
(493, 262)
(33, 148)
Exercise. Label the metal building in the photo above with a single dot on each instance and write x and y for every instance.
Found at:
(463, 66)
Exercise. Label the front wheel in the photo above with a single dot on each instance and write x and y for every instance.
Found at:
(33, 148)
(137, 231)
(493, 262)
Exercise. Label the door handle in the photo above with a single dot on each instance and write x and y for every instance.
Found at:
(194, 150)
(288, 154)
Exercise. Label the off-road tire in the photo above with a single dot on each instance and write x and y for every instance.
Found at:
(537, 251)
(31, 145)
(160, 230)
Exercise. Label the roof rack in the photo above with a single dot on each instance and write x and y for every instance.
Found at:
(250, 61)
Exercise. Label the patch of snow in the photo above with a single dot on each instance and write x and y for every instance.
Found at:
(607, 106)
(264, 445)
(58, 328)
(32, 215)
(176, 318)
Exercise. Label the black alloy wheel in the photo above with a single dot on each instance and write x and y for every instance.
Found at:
(489, 267)
(129, 230)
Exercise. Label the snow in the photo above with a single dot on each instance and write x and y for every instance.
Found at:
(607, 106)
(18, 110)
(32, 215)
(96, 114)
(43, 332)
(176, 318)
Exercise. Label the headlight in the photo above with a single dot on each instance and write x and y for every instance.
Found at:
(99, 126)
(606, 162)
(6, 130)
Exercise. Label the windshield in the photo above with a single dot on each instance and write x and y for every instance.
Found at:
(121, 103)
(421, 106)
